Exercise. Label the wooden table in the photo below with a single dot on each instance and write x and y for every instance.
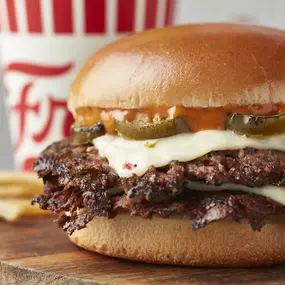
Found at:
(37, 252)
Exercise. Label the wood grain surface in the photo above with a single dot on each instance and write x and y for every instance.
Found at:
(37, 252)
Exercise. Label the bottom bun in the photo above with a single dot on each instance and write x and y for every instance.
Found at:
(172, 241)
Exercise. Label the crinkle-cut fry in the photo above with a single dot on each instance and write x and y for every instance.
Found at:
(20, 184)
(23, 178)
(13, 210)
(18, 191)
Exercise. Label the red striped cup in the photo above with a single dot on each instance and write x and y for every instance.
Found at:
(43, 43)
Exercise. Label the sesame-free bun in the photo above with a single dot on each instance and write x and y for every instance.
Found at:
(172, 241)
(201, 65)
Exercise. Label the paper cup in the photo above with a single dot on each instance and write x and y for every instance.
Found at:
(43, 43)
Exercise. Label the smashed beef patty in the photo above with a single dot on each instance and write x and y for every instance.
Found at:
(76, 177)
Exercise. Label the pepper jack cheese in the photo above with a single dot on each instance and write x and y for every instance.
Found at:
(275, 193)
(130, 157)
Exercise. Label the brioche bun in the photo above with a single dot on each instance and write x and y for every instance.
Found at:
(172, 241)
(201, 65)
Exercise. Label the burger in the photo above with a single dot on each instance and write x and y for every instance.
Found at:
(177, 150)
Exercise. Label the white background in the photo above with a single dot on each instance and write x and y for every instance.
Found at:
(261, 12)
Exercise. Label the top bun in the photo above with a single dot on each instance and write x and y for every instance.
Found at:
(201, 65)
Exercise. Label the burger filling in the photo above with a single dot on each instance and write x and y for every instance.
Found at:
(205, 164)
(217, 185)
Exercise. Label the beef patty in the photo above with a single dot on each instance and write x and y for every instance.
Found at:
(76, 177)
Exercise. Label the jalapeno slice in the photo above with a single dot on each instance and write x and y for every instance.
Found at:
(252, 125)
(139, 130)
(85, 135)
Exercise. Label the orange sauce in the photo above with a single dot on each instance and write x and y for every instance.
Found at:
(198, 119)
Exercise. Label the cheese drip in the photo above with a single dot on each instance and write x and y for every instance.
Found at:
(274, 193)
(130, 157)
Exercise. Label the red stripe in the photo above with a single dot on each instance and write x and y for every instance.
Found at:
(126, 16)
(95, 16)
(151, 11)
(0, 18)
(12, 15)
(170, 7)
(62, 16)
(28, 164)
(38, 70)
(34, 16)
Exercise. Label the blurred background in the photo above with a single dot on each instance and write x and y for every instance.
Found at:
(260, 12)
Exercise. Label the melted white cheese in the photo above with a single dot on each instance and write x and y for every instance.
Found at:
(275, 193)
(182, 147)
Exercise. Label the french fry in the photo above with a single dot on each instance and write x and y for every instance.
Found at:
(13, 210)
(21, 185)
(18, 191)
(23, 178)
